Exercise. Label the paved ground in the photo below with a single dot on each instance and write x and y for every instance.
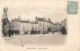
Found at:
(37, 39)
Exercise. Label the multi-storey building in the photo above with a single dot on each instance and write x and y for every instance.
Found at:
(42, 25)
(15, 25)
(34, 27)
(25, 27)
(39, 26)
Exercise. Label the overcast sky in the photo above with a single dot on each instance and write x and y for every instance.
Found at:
(29, 9)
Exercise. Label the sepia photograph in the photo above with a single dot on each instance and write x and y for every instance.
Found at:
(39, 24)
(39, 30)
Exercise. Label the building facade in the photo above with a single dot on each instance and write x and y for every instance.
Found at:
(39, 26)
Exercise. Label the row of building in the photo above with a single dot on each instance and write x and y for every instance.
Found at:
(39, 26)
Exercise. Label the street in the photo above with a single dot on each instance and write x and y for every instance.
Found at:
(38, 39)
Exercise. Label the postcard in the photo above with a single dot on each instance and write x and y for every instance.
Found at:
(40, 25)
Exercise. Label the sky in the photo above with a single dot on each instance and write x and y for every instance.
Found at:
(29, 9)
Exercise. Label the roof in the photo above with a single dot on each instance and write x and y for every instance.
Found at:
(24, 21)
(16, 20)
(52, 23)
(40, 19)
(33, 22)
